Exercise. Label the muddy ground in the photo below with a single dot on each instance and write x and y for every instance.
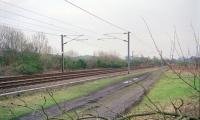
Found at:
(109, 102)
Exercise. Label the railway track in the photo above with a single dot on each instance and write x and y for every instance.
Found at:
(17, 81)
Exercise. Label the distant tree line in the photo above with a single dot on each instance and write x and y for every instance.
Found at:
(102, 60)
(22, 54)
(145, 61)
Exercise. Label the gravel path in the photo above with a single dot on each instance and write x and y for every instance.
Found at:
(118, 102)
(108, 102)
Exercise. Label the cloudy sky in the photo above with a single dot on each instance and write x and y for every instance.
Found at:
(163, 16)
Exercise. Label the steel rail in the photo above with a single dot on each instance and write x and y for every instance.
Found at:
(17, 81)
(46, 74)
(12, 84)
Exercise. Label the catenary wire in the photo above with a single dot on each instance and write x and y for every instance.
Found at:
(92, 14)
(33, 19)
(42, 15)
(27, 29)
(29, 23)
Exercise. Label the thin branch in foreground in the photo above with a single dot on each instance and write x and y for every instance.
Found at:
(160, 54)
(63, 111)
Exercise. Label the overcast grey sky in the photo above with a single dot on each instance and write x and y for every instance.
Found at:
(161, 15)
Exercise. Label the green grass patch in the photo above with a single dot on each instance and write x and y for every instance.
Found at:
(61, 95)
(168, 88)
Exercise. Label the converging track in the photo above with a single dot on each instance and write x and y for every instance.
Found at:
(26, 80)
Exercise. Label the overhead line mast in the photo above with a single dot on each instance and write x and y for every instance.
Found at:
(110, 23)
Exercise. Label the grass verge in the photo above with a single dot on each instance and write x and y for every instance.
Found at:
(168, 88)
(14, 106)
